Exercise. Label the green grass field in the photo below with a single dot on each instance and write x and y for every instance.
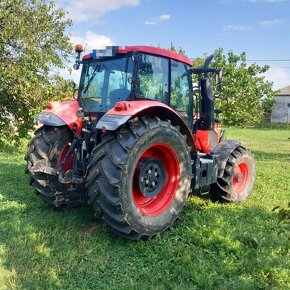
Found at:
(212, 246)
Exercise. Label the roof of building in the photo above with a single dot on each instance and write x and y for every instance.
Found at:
(284, 91)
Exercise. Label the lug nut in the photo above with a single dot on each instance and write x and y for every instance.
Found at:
(153, 183)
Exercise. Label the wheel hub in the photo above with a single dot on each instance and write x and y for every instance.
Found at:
(241, 176)
(151, 177)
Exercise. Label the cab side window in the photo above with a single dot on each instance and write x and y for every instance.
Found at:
(153, 78)
(180, 86)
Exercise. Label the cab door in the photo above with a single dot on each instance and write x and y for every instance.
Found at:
(181, 94)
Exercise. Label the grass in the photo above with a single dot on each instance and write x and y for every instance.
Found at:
(212, 246)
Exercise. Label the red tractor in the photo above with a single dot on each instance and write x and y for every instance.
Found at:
(136, 141)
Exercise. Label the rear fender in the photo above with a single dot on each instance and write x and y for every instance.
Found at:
(223, 151)
(60, 114)
(123, 111)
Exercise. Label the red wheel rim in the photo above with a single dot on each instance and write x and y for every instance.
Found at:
(153, 206)
(241, 177)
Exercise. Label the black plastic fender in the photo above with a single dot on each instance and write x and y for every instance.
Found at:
(223, 150)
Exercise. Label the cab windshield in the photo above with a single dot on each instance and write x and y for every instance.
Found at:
(105, 82)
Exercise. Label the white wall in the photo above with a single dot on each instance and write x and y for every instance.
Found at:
(281, 111)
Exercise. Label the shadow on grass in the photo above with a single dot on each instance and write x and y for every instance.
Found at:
(213, 246)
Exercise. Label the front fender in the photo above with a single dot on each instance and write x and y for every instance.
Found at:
(125, 110)
(60, 114)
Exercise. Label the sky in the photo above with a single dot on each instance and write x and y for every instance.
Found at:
(261, 28)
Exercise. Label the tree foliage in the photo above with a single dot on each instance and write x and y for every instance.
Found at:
(246, 96)
(32, 43)
(179, 49)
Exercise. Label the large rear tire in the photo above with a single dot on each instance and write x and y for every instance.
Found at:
(139, 177)
(237, 182)
(46, 150)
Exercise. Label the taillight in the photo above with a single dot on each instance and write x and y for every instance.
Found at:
(120, 106)
(49, 106)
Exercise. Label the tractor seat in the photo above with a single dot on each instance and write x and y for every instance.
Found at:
(118, 95)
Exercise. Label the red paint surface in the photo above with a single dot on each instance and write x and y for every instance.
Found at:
(68, 164)
(87, 56)
(66, 111)
(201, 141)
(152, 50)
(155, 206)
(131, 108)
(158, 109)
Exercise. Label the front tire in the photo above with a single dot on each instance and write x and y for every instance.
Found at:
(237, 182)
(139, 177)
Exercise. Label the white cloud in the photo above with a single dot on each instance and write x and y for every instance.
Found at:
(155, 20)
(81, 11)
(164, 17)
(279, 76)
(272, 22)
(231, 27)
(91, 41)
(150, 22)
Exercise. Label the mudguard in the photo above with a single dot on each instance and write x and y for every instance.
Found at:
(125, 110)
(50, 119)
(223, 150)
(60, 114)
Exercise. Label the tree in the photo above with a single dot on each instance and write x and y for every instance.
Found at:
(179, 49)
(32, 42)
(246, 96)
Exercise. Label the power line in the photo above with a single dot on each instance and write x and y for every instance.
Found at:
(268, 60)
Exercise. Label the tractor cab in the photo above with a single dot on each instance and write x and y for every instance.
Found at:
(136, 73)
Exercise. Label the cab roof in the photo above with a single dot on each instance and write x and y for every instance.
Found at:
(147, 49)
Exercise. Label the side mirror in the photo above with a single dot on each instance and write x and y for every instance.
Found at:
(73, 85)
(219, 77)
(76, 66)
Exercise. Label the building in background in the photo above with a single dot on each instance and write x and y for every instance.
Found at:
(281, 111)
